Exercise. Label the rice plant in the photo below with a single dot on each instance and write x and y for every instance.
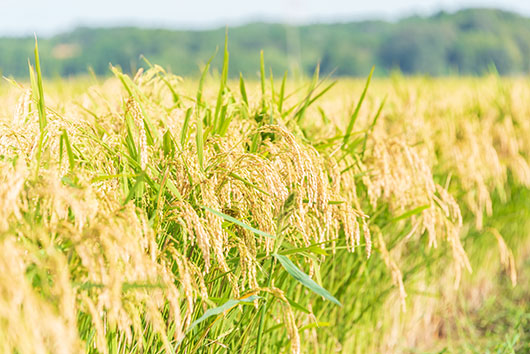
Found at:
(153, 214)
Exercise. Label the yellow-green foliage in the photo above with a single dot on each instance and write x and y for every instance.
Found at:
(142, 204)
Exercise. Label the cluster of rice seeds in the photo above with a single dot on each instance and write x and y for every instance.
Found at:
(106, 252)
(30, 323)
(83, 252)
(478, 140)
(402, 180)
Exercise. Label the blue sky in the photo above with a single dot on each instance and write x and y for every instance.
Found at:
(46, 17)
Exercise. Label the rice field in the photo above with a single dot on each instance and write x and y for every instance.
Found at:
(157, 214)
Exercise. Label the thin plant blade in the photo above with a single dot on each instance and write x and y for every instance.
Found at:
(303, 278)
(237, 222)
(355, 113)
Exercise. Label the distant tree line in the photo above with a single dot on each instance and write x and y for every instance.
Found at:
(469, 42)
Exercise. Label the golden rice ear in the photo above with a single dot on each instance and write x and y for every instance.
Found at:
(367, 238)
(404, 181)
(196, 231)
(12, 180)
(289, 319)
(397, 276)
(134, 110)
(30, 323)
(506, 256)
(23, 108)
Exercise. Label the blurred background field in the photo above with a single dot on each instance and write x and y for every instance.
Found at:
(466, 42)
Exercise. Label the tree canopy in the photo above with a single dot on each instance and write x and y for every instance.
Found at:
(469, 42)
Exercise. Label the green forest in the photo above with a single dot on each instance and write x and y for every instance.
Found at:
(467, 42)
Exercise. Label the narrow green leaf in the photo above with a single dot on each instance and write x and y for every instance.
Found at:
(172, 188)
(69, 151)
(271, 78)
(371, 128)
(224, 121)
(271, 114)
(224, 76)
(168, 145)
(131, 146)
(317, 250)
(135, 189)
(242, 89)
(199, 139)
(254, 145)
(282, 93)
(303, 278)
(355, 113)
(203, 78)
(309, 99)
(262, 75)
(61, 144)
(410, 213)
(139, 97)
(314, 325)
(107, 177)
(221, 309)
(297, 306)
(121, 77)
(312, 87)
(252, 185)
(42, 123)
(176, 96)
(321, 93)
(40, 102)
(159, 197)
(237, 222)
(185, 127)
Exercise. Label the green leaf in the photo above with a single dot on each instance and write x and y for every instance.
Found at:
(185, 125)
(312, 87)
(135, 189)
(37, 95)
(303, 278)
(314, 325)
(71, 160)
(282, 93)
(176, 97)
(297, 306)
(168, 145)
(254, 145)
(252, 185)
(199, 138)
(262, 75)
(355, 113)
(317, 250)
(203, 78)
(237, 222)
(371, 128)
(107, 177)
(41, 105)
(218, 119)
(220, 309)
(410, 213)
(242, 89)
(139, 97)
(225, 121)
